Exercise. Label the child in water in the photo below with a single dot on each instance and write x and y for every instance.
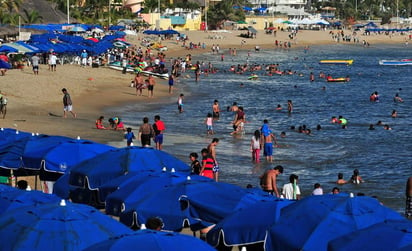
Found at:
(129, 136)
(209, 124)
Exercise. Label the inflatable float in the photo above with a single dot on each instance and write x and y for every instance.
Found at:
(253, 77)
(337, 80)
(337, 61)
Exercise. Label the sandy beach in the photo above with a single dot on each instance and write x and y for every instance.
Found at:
(35, 102)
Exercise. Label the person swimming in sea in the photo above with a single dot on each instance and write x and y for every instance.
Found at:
(356, 178)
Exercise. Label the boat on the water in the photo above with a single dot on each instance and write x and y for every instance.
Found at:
(337, 61)
(134, 69)
(396, 62)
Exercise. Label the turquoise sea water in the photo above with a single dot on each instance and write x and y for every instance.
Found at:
(383, 157)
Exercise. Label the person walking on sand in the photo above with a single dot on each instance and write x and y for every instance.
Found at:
(67, 104)
(35, 64)
(53, 61)
(268, 180)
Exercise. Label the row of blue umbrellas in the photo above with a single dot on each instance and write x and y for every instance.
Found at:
(51, 153)
(63, 43)
(30, 220)
(136, 184)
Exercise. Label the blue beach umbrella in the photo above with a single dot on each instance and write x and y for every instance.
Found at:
(6, 188)
(247, 225)
(151, 32)
(61, 187)
(138, 187)
(28, 151)
(309, 224)
(56, 226)
(153, 241)
(119, 182)
(194, 202)
(114, 163)
(35, 149)
(16, 198)
(12, 152)
(388, 235)
(8, 135)
(70, 153)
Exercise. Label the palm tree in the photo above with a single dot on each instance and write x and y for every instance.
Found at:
(13, 19)
(150, 5)
(32, 17)
(10, 5)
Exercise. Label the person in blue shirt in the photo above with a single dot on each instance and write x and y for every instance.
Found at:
(129, 136)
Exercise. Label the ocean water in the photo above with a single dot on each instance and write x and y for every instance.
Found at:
(383, 157)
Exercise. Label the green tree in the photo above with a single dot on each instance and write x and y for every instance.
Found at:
(32, 17)
(10, 5)
(13, 19)
(223, 11)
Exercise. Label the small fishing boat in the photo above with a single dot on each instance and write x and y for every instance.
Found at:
(133, 69)
(337, 61)
(396, 62)
(118, 66)
(158, 75)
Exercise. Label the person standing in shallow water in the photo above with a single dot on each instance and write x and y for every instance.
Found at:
(145, 132)
(268, 180)
(290, 106)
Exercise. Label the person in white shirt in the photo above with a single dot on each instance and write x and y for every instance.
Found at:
(291, 190)
(317, 189)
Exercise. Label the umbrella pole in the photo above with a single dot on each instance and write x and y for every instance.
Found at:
(35, 182)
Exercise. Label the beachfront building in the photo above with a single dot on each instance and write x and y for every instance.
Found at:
(177, 19)
(293, 9)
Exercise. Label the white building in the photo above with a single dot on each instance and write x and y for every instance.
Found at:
(291, 8)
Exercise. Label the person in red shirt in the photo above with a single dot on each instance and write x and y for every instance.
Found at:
(158, 128)
(207, 164)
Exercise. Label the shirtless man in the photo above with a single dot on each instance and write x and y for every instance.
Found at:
(216, 110)
(139, 83)
(268, 180)
(150, 88)
(212, 152)
(408, 208)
